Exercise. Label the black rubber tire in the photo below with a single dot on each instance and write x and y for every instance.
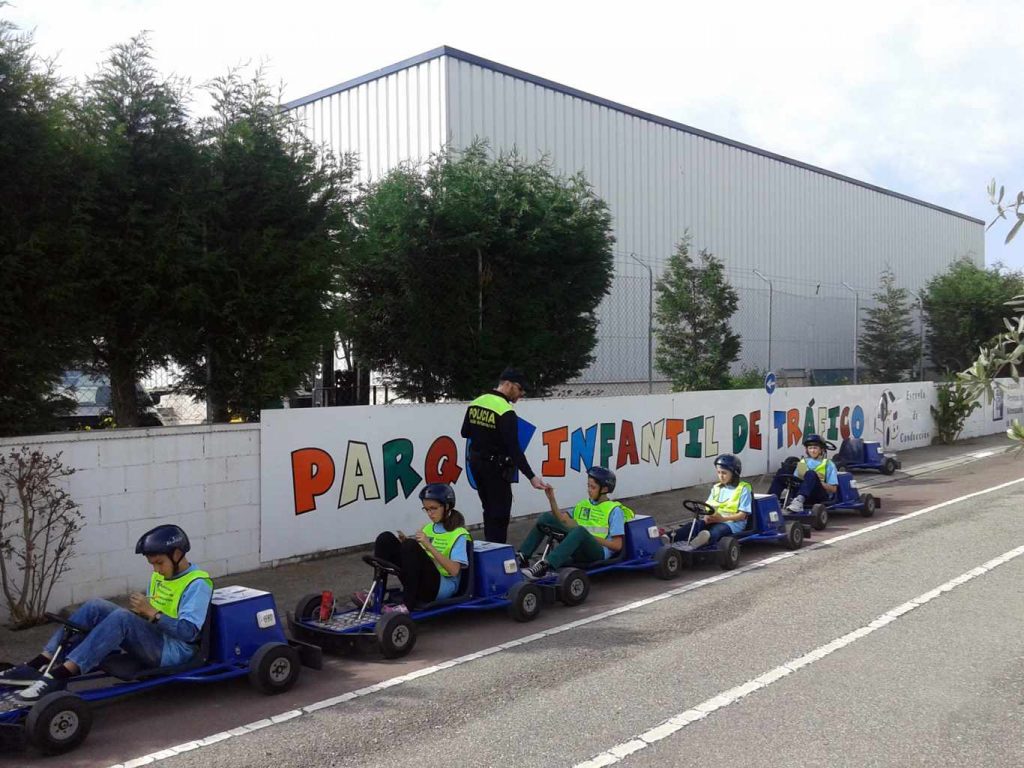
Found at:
(396, 635)
(819, 517)
(274, 668)
(728, 553)
(58, 722)
(869, 507)
(668, 563)
(525, 601)
(794, 535)
(304, 609)
(573, 586)
(889, 466)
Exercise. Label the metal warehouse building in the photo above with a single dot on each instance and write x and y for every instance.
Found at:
(805, 230)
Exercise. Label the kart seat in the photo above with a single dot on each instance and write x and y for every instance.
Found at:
(465, 584)
(127, 667)
(850, 452)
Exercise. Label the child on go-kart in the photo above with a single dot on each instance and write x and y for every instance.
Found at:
(818, 476)
(731, 499)
(594, 531)
(161, 629)
(430, 561)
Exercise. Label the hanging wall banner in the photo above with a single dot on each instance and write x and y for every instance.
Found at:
(336, 477)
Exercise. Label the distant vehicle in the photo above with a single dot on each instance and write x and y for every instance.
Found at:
(91, 392)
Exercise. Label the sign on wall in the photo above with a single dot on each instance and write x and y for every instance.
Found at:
(336, 477)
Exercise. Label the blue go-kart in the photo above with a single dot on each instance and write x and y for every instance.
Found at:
(856, 454)
(242, 636)
(570, 584)
(765, 523)
(491, 580)
(847, 498)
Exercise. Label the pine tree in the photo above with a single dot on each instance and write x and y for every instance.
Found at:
(694, 305)
(888, 347)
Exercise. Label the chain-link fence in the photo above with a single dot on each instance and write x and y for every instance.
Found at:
(172, 408)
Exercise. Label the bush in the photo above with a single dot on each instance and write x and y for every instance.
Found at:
(748, 378)
(955, 404)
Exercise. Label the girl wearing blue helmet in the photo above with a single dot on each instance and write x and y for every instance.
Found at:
(430, 561)
(731, 498)
(595, 529)
(161, 629)
(817, 474)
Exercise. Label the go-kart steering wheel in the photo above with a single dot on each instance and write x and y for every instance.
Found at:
(555, 533)
(67, 624)
(829, 445)
(382, 565)
(698, 508)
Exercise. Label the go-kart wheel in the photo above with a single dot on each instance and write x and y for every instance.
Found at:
(728, 553)
(573, 586)
(889, 466)
(274, 668)
(525, 601)
(668, 563)
(819, 517)
(58, 722)
(794, 535)
(869, 505)
(308, 606)
(396, 635)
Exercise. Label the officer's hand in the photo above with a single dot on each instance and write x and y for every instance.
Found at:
(539, 484)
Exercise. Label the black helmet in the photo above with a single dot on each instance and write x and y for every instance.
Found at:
(440, 492)
(730, 462)
(604, 478)
(162, 540)
(818, 440)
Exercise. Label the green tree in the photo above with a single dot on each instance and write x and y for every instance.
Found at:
(137, 218)
(695, 302)
(38, 180)
(965, 309)
(471, 264)
(261, 298)
(888, 348)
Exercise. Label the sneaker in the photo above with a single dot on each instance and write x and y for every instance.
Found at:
(700, 539)
(359, 597)
(796, 505)
(44, 685)
(536, 571)
(20, 675)
(399, 608)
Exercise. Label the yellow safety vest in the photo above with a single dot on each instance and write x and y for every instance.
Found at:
(486, 409)
(595, 517)
(443, 543)
(165, 594)
(730, 506)
(821, 469)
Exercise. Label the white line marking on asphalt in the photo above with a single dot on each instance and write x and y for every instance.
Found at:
(707, 581)
(676, 723)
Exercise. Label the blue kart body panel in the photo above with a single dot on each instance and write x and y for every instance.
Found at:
(641, 542)
(856, 454)
(766, 524)
(847, 498)
(240, 621)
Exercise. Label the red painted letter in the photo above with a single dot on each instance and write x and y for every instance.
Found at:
(627, 446)
(673, 429)
(442, 463)
(312, 475)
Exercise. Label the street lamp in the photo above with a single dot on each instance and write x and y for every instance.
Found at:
(650, 323)
(770, 297)
(856, 327)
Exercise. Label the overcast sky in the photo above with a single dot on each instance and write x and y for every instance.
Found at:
(919, 97)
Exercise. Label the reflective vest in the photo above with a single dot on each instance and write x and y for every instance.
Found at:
(595, 517)
(730, 506)
(443, 543)
(485, 410)
(821, 469)
(165, 594)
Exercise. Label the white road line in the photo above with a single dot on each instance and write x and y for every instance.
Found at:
(391, 682)
(672, 725)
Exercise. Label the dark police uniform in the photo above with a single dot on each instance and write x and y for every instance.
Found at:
(492, 427)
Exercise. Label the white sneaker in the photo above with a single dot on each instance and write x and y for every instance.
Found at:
(700, 539)
(796, 505)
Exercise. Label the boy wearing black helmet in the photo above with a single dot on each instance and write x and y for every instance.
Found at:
(594, 531)
(431, 560)
(818, 476)
(731, 498)
(161, 629)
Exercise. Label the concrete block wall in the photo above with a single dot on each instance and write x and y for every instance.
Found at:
(204, 478)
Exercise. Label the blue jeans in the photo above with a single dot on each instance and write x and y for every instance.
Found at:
(810, 487)
(112, 628)
(717, 531)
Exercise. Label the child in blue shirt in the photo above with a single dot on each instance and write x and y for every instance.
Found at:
(819, 478)
(731, 499)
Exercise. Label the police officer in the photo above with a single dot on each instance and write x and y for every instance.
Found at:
(494, 453)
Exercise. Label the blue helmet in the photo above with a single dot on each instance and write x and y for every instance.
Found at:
(813, 439)
(162, 540)
(440, 492)
(730, 462)
(604, 478)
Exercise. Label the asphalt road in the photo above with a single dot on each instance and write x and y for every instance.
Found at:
(940, 685)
